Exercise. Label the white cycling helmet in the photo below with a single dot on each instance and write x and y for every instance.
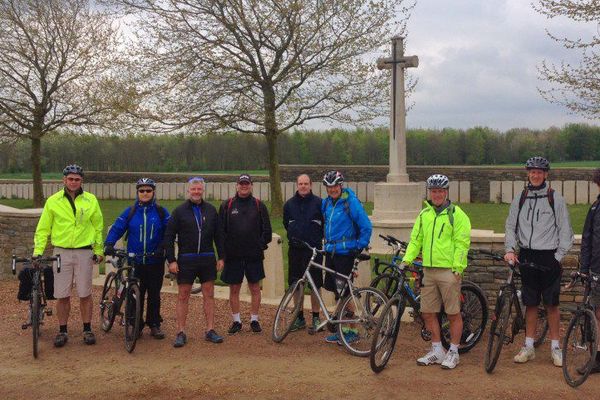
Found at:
(438, 181)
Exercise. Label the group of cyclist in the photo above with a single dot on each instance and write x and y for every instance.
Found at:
(233, 240)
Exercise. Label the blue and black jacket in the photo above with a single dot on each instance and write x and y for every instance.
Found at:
(303, 220)
(347, 226)
(145, 231)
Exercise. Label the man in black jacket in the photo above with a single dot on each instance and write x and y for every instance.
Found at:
(590, 254)
(246, 231)
(196, 225)
(303, 220)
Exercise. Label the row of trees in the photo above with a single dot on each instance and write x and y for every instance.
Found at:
(171, 153)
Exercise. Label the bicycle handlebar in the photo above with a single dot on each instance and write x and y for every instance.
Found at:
(35, 261)
(578, 275)
(392, 241)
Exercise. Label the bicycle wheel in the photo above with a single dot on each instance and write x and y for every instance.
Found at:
(359, 315)
(541, 328)
(386, 283)
(385, 334)
(474, 312)
(35, 318)
(500, 322)
(579, 347)
(288, 311)
(133, 316)
(109, 302)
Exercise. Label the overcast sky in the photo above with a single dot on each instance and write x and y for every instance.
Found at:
(478, 62)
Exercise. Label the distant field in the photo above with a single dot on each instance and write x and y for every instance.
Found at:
(58, 175)
(563, 164)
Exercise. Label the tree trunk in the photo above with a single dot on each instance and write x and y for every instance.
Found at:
(274, 178)
(36, 168)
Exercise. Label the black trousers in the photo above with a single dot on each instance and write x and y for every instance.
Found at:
(151, 280)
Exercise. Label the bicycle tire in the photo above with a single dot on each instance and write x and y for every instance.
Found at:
(196, 288)
(133, 316)
(386, 283)
(500, 322)
(474, 312)
(361, 322)
(109, 302)
(541, 329)
(385, 335)
(288, 311)
(35, 319)
(580, 340)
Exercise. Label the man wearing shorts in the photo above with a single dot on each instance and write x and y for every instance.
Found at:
(73, 221)
(442, 233)
(303, 221)
(195, 224)
(246, 228)
(538, 227)
(347, 232)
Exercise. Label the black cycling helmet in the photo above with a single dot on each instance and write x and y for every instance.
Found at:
(73, 169)
(333, 178)
(537, 162)
(438, 181)
(145, 182)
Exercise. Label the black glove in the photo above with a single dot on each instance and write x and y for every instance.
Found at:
(109, 250)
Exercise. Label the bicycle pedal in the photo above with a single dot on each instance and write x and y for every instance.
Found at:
(25, 325)
(48, 312)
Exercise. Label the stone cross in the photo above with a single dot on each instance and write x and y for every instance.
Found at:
(398, 63)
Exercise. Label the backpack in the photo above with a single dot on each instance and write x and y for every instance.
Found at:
(523, 197)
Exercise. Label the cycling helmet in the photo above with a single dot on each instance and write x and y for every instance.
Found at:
(438, 181)
(537, 163)
(333, 178)
(73, 169)
(145, 182)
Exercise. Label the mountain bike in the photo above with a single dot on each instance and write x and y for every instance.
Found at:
(474, 312)
(37, 299)
(357, 312)
(120, 287)
(580, 344)
(509, 305)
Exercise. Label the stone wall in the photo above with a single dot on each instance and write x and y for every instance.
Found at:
(17, 228)
(479, 177)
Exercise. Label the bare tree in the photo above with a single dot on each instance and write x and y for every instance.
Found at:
(575, 86)
(56, 63)
(262, 66)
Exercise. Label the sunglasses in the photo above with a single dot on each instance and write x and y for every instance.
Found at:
(74, 179)
(145, 191)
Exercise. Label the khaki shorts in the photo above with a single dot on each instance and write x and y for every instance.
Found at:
(76, 267)
(440, 286)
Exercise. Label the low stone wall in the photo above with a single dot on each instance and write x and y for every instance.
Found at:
(17, 228)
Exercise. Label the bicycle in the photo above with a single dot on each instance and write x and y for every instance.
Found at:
(37, 299)
(357, 311)
(474, 312)
(581, 339)
(509, 295)
(121, 286)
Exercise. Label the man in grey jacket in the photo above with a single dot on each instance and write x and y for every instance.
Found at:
(538, 226)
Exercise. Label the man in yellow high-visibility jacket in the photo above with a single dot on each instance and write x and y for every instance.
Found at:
(73, 221)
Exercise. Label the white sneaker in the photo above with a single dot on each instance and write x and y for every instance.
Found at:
(451, 360)
(557, 357)
(526, 354)
(433, 357)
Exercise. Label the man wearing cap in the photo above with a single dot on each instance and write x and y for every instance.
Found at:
(246, 231)
(73, 221)
(195, 223)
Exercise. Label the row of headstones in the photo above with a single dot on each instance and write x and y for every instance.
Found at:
(365, 191)
(574, 192)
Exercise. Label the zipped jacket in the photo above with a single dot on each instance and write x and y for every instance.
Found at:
(443, 239)
(145, 231)
(195, 236)
(539, 227)
(347, 225)
(71, 224)
(303, 220)
(590, 241)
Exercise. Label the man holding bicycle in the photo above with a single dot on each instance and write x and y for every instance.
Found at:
(144, 222)
(442, 233)
(538, 225)
(195, 224)
(590, 255)
(73, 220)
(347, 232)
(303, 221)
